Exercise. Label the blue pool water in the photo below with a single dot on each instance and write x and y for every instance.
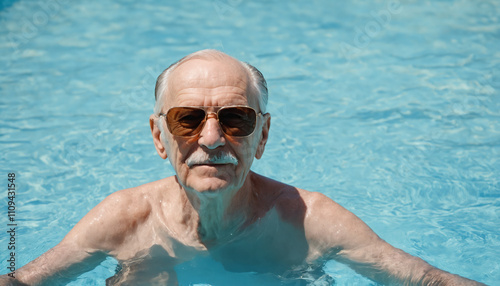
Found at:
(391, 108)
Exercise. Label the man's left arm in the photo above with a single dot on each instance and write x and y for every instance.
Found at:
(340, 234)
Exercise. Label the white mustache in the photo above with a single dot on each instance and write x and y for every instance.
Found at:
(201, 157)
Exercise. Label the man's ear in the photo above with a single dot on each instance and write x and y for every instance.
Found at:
(156, 132)
(264, 136)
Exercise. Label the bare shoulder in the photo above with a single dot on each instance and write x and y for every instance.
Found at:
(318, 213)
(106, 226)
(295, 205)
(328, 225)
(135, 201)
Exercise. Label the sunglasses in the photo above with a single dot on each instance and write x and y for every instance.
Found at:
(237, 121)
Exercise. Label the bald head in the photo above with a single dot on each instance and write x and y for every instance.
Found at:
(245, 73)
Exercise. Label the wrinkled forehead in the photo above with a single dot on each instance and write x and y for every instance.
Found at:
(215, 82)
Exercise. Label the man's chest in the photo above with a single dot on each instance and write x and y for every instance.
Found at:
(269, 245)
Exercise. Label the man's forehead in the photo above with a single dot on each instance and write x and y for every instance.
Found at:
(202, 73)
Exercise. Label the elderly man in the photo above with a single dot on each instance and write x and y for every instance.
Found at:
(210, 121)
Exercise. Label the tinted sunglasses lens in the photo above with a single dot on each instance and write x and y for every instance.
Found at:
(237, 121)
(185, 121)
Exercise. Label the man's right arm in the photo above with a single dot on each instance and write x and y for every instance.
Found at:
(58, 266)
(95, 236)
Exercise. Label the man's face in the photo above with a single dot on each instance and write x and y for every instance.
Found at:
(206, 83)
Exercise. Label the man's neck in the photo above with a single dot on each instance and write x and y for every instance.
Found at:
(221, 216)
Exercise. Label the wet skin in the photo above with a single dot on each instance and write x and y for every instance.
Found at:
(271, 240)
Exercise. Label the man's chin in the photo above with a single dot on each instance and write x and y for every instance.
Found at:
(210, 185)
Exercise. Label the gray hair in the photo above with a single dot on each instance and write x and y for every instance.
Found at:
(258, 83)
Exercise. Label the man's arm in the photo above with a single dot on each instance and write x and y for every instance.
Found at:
(100, 232)
(58, 266)
(338, 232)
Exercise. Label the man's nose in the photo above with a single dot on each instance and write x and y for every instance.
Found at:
(212, 136)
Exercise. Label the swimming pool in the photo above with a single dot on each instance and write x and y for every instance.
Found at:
(391, 108)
